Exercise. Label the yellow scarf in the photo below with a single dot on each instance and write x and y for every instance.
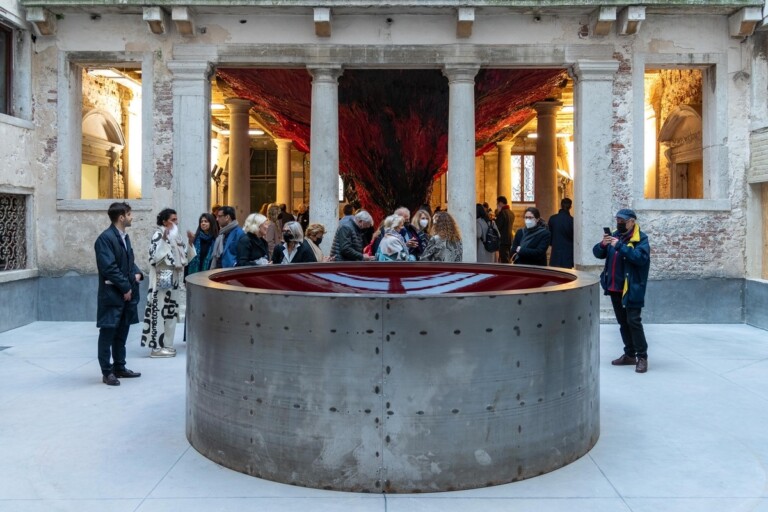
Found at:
(632, 240)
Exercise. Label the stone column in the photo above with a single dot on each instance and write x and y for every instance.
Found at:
(239, 196)
(505, 172)
(592, 126)
(546, 157)
(324, 151)
(218, 197)
(284, 172)
(191, 140)
(461, 153)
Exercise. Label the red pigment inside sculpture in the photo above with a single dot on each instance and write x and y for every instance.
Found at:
(393, 278)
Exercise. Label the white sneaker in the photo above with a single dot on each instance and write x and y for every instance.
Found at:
(162, 352)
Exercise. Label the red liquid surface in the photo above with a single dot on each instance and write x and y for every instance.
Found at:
(393, 278)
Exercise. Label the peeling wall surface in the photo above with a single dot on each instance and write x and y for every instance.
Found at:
(689, 241)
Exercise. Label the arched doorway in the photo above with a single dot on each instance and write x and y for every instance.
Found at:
(103, 142)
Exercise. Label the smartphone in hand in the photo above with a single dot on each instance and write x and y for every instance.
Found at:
(607, 231)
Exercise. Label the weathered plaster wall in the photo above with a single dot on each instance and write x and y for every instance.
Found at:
(16, 168)
(65, 239)
(686, 244)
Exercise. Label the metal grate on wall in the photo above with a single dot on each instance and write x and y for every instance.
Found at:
(13, 232)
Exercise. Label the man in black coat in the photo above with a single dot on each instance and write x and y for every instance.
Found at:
(505, 221)
(561, 229)
(118, 294)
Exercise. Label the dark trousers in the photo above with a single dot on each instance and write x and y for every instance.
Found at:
(112, 341)
(631, 327)
(504, 251)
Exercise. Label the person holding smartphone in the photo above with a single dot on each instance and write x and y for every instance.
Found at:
(627, 255)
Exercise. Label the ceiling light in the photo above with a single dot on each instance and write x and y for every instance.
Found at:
(534, 135)
(217, 106)
(567, 109)
(227, 133)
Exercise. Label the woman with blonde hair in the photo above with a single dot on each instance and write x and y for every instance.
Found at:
(422, 221)
(252, 249)
(273, 229)
(314, 237)
(392, 246)
(293, 249)
(445, 243)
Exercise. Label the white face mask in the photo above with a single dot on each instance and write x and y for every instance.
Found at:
(173, 231)
(529, 223)
(423, 223)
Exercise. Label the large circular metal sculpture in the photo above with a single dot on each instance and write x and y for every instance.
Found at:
(390, 377)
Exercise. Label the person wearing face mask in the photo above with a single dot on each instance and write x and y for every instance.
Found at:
(410, 234)
(422, 221)
(169, 253)
(293, 249)
(627, 255)
(531, 243)
(313, 235)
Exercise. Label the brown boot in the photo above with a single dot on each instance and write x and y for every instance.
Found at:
(624, 360)
(642, 365)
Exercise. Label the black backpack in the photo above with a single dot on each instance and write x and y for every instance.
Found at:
(492, 239)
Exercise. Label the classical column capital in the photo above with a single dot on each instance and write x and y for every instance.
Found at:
(597, 70)
(325, 73)
(505, 146)
(238, 105)
(547, 107)
(283, 143)
(190, 70)
(461, 73)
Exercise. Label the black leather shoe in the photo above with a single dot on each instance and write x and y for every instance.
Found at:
(642, 365)
(624, 360)
(110, 380)
(127, 374)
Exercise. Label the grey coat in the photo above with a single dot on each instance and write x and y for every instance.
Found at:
(483, 256)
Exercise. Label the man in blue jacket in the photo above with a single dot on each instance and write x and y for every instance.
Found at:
(225, 246)
(118, 294)
(627, 256)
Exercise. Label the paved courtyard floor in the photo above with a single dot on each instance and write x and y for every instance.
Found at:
(690, 435)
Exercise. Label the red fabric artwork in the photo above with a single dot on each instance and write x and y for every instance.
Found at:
(393, 124)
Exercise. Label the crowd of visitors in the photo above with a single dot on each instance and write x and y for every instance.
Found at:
(275, 236)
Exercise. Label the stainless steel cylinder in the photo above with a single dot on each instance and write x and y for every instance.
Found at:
(401, 386)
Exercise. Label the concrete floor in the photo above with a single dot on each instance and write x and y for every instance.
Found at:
(690, 435)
